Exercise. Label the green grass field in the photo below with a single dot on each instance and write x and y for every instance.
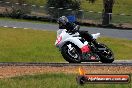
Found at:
(121, 6)
(19, 45)
(28, 46)
(59, 80)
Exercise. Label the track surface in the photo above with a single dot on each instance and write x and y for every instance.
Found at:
(126, 34)
(116, 63)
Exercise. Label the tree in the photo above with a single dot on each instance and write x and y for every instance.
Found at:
(107, 11)
(57, 8)
(20, 9)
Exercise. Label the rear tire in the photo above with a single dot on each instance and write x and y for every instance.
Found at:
(68, 57)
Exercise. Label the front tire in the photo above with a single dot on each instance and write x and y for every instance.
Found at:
(106, 55)
(71, 56)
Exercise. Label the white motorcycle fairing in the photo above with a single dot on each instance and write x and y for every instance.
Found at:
(63, 36)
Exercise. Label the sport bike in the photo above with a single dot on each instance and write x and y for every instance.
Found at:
(76, 49)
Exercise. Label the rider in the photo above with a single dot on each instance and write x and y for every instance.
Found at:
(65, 24)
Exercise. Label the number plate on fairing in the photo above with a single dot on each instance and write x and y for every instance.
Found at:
(90, 57)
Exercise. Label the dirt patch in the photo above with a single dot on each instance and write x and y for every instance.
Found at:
(5, 10)
(12, 71)
(125, 25)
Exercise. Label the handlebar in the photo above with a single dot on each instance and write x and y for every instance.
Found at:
(76, 29)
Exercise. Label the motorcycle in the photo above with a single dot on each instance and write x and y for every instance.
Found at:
(75, 49)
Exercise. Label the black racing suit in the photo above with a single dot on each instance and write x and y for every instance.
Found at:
(70, 28)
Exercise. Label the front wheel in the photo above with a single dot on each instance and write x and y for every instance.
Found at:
(106, 55)
(71, 53)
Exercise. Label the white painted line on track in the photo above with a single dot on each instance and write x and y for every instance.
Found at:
(14, 27)
(5, 26)
(25, 28)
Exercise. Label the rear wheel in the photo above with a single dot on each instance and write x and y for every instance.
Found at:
(71, 53)
(106, 55)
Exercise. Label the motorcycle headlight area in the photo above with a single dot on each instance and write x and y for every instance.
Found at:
(59, 39)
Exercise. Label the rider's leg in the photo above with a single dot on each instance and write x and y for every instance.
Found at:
(88, 37)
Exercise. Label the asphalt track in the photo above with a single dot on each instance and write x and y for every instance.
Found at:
(116, 33)
(115, 63)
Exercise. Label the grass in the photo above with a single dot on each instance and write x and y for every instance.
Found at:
(36, 2)
(121, 19)
(19, 45)
(28, 46)
(115, 18)
(120, 47)
(120, 6)
(59, 80)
